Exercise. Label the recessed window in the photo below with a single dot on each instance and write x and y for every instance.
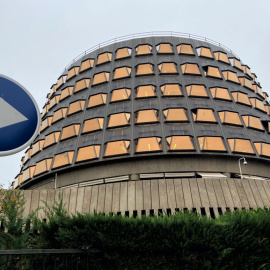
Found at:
(28, 154)
(59, 115)
(204, 52)
(171, 90)
(257, 104)
(143, 49)
(76, 107)
(45, 110)
(257, 89)
(266, 107)
(164, 48)
(122, 72)
(100, 78)
(196, 90)
(97, 100)
(81, 85)
(211, 144)
(220, 93)
(180, 143)
(120, 94)
(104, 58)
(246, 70)
(119, 120)
(203, 115)
(53, 89)
(93, 125)
(241, 98)
(54, 101)
(87, 64)
(266, 97)
(37, 147)
(246, 83)
(43, 166)
(230, 118)
(66, 92)
(167, 68)
(146, 116)
(175, 115)
(151, 144)
(253, 122)
(70, 132)
(144, 69)
(51, 139)
(88, 153)
(72, 72)
(236, 63)
(222, 57)
(240, 146)
(61, 81)
(185, 49)
(28, 173)
(117, 148)
(213, 72)
(46, 123)
(263, 149)
(123, 53)
(230, 76)
(63, 159)
(190, 69)
(146, 91)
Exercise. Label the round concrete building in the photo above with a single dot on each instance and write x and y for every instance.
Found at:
(153, 123)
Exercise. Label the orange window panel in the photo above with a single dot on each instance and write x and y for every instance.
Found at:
(122, 72)
(175, 115)
(230, 118)
(28, 154)
(59, 115)
(76, 107)
(97, 100)
(81, 85)
(230, 76)
(66, 93)
(72, 72)
(145, 69)
(93, 125)
(220, 93)
(87, 64)
(120, 94)
(241, 98)
(146, 91)
(119, 120)
(171, 90)
(54, 101)
(147, 116)
(241, 146)
(185, 49)
(164, 48)
(204, 52)
(246, 83)
(70, 132)
(253, 122)
(211, 144)
(46, 123)
(19, 179)
(151, 144)
(100, 78)
(213, 72)
(37, 147)
(266, 107)
(222, 57)
(190, 69)
(88, 153)
(167, 68)
(63, 159)
(61, 81)
(246, 70)
(104, 58)
(257, 104)
(196, 90)
(51, 139)
(236, 63)
(180, 143)
(117, 148)
(123, 53)
(263, 149)
(43, 166)
(143, 49)
(45, 110)
(204, 115)
(257, 89)
(28, 173)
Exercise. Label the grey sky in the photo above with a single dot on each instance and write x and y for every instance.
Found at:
(39, 38)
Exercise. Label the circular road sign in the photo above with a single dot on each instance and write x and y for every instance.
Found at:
(19, 117)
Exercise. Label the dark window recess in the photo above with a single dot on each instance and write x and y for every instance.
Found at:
(143, 213)
(160, 212)
(235, 208)
(118, 213)
(169, 211)
(185, 210)
(152, 212)
(266, 125)
(126, 213)
(203, 212)
(44, 220)
(135, 213)
(220, 211)
(176, 209)
(212, 214)
(228, 209)
(194, 210)
(111, 214)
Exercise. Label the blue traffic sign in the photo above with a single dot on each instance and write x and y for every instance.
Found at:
(19, 117)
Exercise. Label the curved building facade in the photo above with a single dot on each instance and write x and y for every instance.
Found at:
(141, 113)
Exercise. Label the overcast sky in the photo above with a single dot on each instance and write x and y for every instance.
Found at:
(39, 38)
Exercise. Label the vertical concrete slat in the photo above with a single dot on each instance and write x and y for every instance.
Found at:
(58, 192)
(227, 194)
(94, 198)
(123, 197)
(147, 195)
(131, 197)
(196, 200)
(203, 195)
(87, 199)
(66, 196)
(116, 198)
(154, 196)
(50, 197)
(219, 194)
(101, 199)
(73, 201)
(34, 201)
(251, 200)
(187, 193)
(42, 199)
(179, 195)
(27, 198)
(171, 194)
(163, 199)
(266, 188)
(262, 192)
(236, 199)
(108, 198)
(242, 193)
(139, 197)
(80, 199)
(256, 194)
(211, 195)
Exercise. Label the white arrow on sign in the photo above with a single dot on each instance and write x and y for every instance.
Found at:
(9, 115)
